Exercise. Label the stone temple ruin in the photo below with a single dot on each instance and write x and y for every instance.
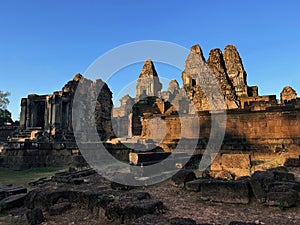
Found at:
(253, 121)
(53, 113)
(155, 117)
(45, 135)
(258, 159)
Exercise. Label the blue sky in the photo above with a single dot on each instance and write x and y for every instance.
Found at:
(43, 43)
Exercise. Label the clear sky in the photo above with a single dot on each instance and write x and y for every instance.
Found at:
(43, 43)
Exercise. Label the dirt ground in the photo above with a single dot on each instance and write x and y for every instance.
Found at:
(179, 202)
(182, 203)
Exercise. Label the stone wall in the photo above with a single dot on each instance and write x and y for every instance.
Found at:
(5, 132)
(53, 113)
(20, 159)
(270, 129)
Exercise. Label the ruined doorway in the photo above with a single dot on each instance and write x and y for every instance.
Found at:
(136, 125)
(193, 83)
(40, 115)
(65, 115)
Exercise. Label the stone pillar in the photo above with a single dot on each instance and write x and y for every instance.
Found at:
(118, 131)
(23, 113)
(28, 114)
(130, 125)
(56, 113)
(46, 115)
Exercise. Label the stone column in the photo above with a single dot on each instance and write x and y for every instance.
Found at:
(48, 113)
(28, 114)
(130, 125)
(23, 113)
(56, 113)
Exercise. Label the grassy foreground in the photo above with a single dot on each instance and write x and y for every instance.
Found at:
(8, 176)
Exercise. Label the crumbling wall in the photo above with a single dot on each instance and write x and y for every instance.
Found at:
(271, 129)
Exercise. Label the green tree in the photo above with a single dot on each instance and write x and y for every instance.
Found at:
(4, 101)
(5, 115)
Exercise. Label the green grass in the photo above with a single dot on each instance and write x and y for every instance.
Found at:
(8, 176)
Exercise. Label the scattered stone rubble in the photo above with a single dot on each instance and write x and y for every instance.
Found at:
(60, 194)
(11, 196)
(270, 187)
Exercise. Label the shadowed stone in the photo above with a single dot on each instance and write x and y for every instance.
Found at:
(225, 191)
(259, 182)
(182, 221)
(35, 216)
(59, 208)
(182, 177)
(12, 201)
(284, 199)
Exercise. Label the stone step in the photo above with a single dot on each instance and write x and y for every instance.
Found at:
(34, 128)
(8, 190)
(148, 157)
(221, 191)
(12, 201)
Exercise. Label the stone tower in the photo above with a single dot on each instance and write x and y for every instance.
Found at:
(288, 94)
(148, 83)
(236, 71)
(217, 65)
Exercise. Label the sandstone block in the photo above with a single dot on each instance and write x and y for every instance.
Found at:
(182, 177)
(151, 220)
(225, 191)
(182, 221)
(239, 172)
(35, 216)
(281, 176)
(285, 199)
(129, 212)
(284, 186)
(12, 201)
(259, 182)
(240, 161)
(59, 208)
(194, 185)
(216, 162)
(221, 175)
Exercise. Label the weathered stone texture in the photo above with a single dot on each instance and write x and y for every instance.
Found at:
(264, 129)
(287, 95)
(225, 191)
(275, 188)
(235, 70)
(200, 83)
(182, 177)
(217, 65)
(148, 83)
(35, 216)
(53, 113)
(238, 165)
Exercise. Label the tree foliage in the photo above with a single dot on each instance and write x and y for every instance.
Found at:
(5, 115)
(4, 101)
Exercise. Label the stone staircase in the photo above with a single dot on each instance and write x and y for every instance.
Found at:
(23, 135)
